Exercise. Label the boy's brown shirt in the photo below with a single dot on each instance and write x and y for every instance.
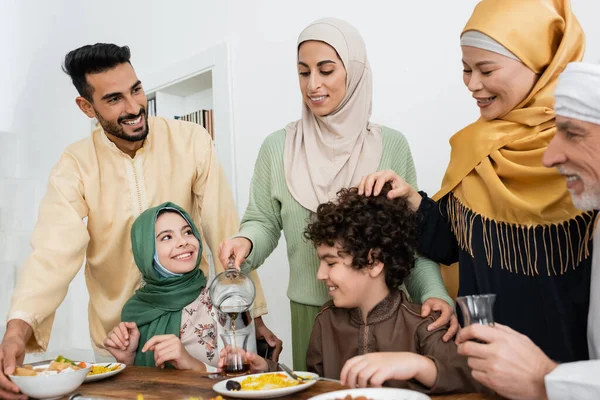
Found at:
(394, 325)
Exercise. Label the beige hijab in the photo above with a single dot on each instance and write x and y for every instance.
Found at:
(325, 154)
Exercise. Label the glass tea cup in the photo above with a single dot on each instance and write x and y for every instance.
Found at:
(477, 309)
(236, 345)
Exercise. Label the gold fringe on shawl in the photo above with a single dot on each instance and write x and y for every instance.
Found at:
(515, 247)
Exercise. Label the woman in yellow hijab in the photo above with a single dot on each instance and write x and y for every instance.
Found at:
(506, 219)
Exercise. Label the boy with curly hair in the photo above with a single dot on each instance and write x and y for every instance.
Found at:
(370, 334)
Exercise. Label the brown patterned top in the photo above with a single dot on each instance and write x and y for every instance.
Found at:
(394, 325)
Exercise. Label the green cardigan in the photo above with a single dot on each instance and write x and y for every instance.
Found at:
(272, 209)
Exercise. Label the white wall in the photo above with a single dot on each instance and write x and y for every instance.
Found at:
(414, 54)
(9, 160)
(8, 10)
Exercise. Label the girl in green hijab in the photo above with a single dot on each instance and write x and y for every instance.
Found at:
(168, 320)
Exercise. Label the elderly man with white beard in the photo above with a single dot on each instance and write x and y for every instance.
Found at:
(505, 360)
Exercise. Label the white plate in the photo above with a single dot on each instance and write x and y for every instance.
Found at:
(374, 394)
(94, 378)
(263, 394)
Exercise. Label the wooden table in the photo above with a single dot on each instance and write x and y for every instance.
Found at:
(157, 384)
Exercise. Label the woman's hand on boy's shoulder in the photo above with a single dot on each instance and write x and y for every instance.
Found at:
(168, 348)
(447, 316)
(122, 342)
(374, 369)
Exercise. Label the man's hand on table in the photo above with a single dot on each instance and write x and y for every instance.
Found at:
(12, 352)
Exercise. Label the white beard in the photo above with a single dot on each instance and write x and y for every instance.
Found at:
(587, 200)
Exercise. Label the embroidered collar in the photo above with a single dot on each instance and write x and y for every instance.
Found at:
(385, 309)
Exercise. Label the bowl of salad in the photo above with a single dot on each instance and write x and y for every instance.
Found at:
(50, 381)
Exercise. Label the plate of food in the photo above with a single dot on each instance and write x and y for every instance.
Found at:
(268, 385)
(101, 371)
(372, 394)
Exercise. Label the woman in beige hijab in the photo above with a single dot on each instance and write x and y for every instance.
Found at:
(308, 162)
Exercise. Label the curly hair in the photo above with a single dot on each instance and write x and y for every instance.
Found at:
(361, 225)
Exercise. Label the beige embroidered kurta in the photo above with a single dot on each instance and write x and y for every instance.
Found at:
(94, 179)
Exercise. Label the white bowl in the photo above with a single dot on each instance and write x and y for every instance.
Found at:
(50, 386)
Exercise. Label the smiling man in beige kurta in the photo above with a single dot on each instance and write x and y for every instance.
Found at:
(129, 164)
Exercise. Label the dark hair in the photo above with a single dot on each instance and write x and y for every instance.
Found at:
(359, 224)
(93, 59)
(168, 211)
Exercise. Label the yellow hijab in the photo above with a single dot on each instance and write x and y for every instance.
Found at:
(495, 171)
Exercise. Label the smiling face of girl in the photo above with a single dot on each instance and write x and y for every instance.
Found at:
(176, 246)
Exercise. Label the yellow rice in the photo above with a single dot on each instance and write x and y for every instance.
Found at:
(100, 369)
(268, 381)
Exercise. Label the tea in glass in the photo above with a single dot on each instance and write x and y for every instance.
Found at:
(236, 362)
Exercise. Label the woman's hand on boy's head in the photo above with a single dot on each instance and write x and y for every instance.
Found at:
(374, 369)
(447, 316)
(122, 341)
(372, 184)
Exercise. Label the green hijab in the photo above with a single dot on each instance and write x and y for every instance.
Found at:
(156, 307)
